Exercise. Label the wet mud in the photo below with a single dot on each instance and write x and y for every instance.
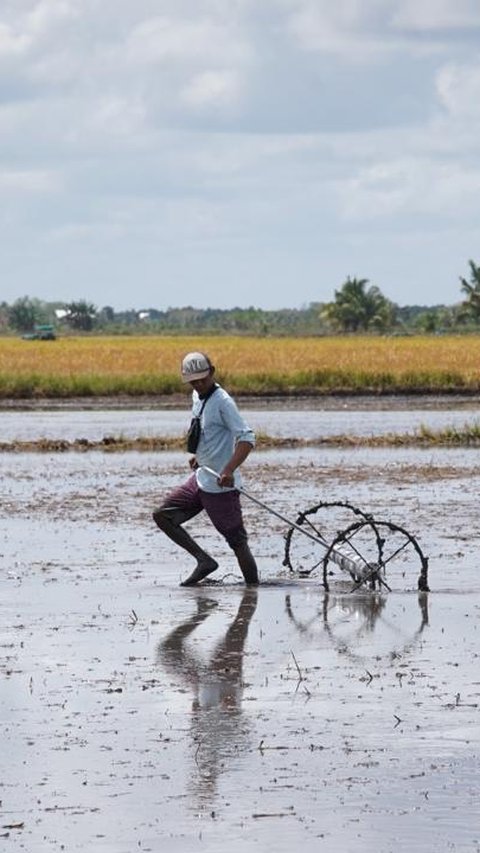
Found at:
(139, 715)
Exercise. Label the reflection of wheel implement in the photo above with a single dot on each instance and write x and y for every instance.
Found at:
(351, 621)
(377, 554)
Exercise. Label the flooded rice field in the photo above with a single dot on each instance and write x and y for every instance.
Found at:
(140, 715)
(280, 418)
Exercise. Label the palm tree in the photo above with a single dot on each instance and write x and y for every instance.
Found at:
(357, 308)
(471, 305)
(81, 315)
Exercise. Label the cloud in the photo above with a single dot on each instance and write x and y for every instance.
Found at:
(27, 33)
(166, 39)
(46, 15)
(265, 136)
(412, 186)
(29, 181)
(431, 15)
(213, 89)
(114, 116)
(458, 88)
(12, 43)
(371, 31)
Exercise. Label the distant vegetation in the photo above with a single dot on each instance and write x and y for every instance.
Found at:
(356, 308)
(111, 365)
(360, 342)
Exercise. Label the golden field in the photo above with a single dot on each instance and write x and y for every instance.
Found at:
(150, 365)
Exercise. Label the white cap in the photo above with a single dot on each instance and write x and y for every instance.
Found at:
(195, 365)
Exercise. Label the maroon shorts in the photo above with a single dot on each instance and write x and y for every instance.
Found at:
(222, 508)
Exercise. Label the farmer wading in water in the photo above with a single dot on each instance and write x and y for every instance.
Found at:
(220, 439)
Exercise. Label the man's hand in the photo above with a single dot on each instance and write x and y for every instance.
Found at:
(226, 480)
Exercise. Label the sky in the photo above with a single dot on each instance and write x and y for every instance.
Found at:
(236, 153)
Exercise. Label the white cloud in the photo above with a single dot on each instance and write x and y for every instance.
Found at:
(368, 31)
(343, 27)
(115, 115)
(424, 15)
(47, 14)
(221, 89)
(82, 234)
(12, 43)
(37, 26)
(165, 39)
(458, 87)
(29, 181)
(412, 187)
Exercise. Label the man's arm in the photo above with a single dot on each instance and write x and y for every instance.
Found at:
(242, 450)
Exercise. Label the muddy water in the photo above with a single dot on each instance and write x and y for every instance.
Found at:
(138, 715)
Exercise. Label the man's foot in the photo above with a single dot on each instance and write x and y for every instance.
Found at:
(247, 563)
(202, 570)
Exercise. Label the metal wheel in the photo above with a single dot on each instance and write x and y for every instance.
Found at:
(323, 521)
(385, 552)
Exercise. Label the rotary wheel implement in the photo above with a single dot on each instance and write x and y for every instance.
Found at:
(343, 542)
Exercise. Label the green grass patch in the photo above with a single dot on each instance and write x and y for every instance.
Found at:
(331, 381)
(86, 385)
(467, 436)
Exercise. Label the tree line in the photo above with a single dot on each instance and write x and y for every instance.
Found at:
(357, 307)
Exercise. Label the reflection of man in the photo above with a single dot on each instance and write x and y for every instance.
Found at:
(222, 444)
(217, 685)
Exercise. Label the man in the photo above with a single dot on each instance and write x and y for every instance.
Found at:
(224, 442)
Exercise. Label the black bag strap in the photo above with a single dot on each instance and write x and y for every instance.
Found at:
(207, 395)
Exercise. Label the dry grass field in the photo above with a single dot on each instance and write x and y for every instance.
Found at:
(77, 366)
